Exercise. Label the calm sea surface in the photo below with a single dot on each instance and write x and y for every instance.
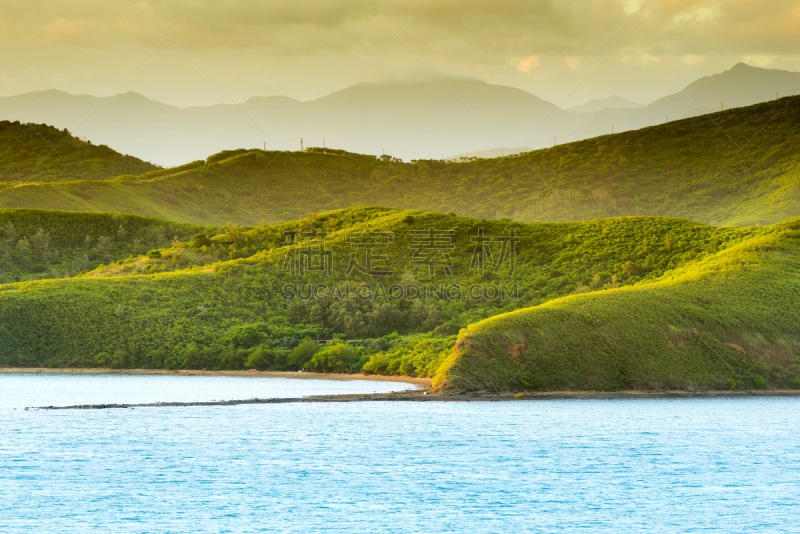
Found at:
(708, 465)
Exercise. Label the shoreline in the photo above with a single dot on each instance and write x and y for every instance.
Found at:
(420, 395)
(424, 382)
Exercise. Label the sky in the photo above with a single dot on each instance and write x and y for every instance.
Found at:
(203, 52)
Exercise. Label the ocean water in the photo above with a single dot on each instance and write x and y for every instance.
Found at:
(27, 390)
(699, 465)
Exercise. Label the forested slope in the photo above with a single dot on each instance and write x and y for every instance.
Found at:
(32, 153)
(38, 244)
(736, 167)
(230, 301)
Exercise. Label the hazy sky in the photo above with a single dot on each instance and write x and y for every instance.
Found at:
(565, 51)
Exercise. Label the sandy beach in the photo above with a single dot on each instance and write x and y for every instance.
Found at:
(422, 382)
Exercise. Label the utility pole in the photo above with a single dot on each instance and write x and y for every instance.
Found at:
(323, 142)
(301, 144)
(612, 129)
(265, 146)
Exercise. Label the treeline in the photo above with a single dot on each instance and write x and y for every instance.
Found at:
(250, 347)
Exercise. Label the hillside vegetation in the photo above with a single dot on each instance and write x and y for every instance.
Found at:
(227, 300)
(737, 167)
(728, 321)
(37, 244)
(41, 153)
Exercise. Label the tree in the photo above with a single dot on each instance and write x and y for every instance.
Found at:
(23, 246)
(260, 359)
(103, 243)
(424, 315)
(157, 358)
(232, 359)
(191, 357)
(303, 353)
(386, 318)
(8, 232)
(39, 242)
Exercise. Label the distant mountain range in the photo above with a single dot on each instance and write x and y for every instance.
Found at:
(611, 102)
(421, 120)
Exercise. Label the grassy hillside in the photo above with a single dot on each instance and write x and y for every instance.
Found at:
(37, 244)
(737, 167)
(731, 320)
(41, 153)
(226, 301)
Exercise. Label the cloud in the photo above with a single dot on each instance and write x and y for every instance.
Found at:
(573, 62)
(629, 7)
(528, 64)
(697, 14)
(760, 60)
(692, 59)
(306, 48)
(63, 31)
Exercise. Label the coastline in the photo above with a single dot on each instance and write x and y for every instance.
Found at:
(423, 382)
(421, 395)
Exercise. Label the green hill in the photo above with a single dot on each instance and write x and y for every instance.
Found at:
(37, 244)
(737, 167)
(731, 320)
(40, 153)
(230, 300)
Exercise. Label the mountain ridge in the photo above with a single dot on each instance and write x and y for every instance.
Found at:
(737, 167)
(599, 104)
(42, 153)
(413, 120)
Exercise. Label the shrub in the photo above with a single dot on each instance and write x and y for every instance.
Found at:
(378, 364)
(446, 329)
(201, 240)
(336, 359)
